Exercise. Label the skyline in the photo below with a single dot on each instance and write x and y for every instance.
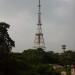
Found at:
(57, 19)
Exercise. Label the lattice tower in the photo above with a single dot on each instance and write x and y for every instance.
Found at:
(39, 39)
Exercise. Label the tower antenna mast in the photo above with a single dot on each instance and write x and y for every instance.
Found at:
(39, 40)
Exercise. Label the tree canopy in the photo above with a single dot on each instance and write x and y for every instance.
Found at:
(6, 43)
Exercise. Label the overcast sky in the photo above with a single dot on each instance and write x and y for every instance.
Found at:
(58, 19)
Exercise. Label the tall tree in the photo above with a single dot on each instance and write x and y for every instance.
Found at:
(6, 43)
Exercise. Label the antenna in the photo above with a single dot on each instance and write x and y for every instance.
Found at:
(39, 40)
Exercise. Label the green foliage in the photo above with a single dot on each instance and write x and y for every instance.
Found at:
(34, 56)
(6, 43)
(31, 62)
(67, 57)
(51, 57)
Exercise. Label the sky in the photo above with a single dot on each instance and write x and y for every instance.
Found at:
(58, 19)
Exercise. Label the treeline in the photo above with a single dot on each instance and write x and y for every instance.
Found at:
(47, 57)
(31, 62)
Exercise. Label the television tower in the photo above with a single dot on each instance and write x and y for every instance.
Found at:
(39, 40)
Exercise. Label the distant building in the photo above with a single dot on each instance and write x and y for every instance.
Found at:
(73, 70)
(63, 73)
(56, 66)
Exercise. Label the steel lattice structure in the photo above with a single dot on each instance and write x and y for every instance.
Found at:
(39, 39)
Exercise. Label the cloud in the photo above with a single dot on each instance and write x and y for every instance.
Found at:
(22, 30)
(61, 24)
(57, 18)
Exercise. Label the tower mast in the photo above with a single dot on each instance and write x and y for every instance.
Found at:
(39, 40)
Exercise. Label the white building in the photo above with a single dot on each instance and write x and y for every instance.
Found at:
(73, 70)
(63, 73)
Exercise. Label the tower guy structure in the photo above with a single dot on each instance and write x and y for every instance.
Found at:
(39, 39)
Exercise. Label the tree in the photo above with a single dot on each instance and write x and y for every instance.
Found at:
(34, 56)
(6, 43)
